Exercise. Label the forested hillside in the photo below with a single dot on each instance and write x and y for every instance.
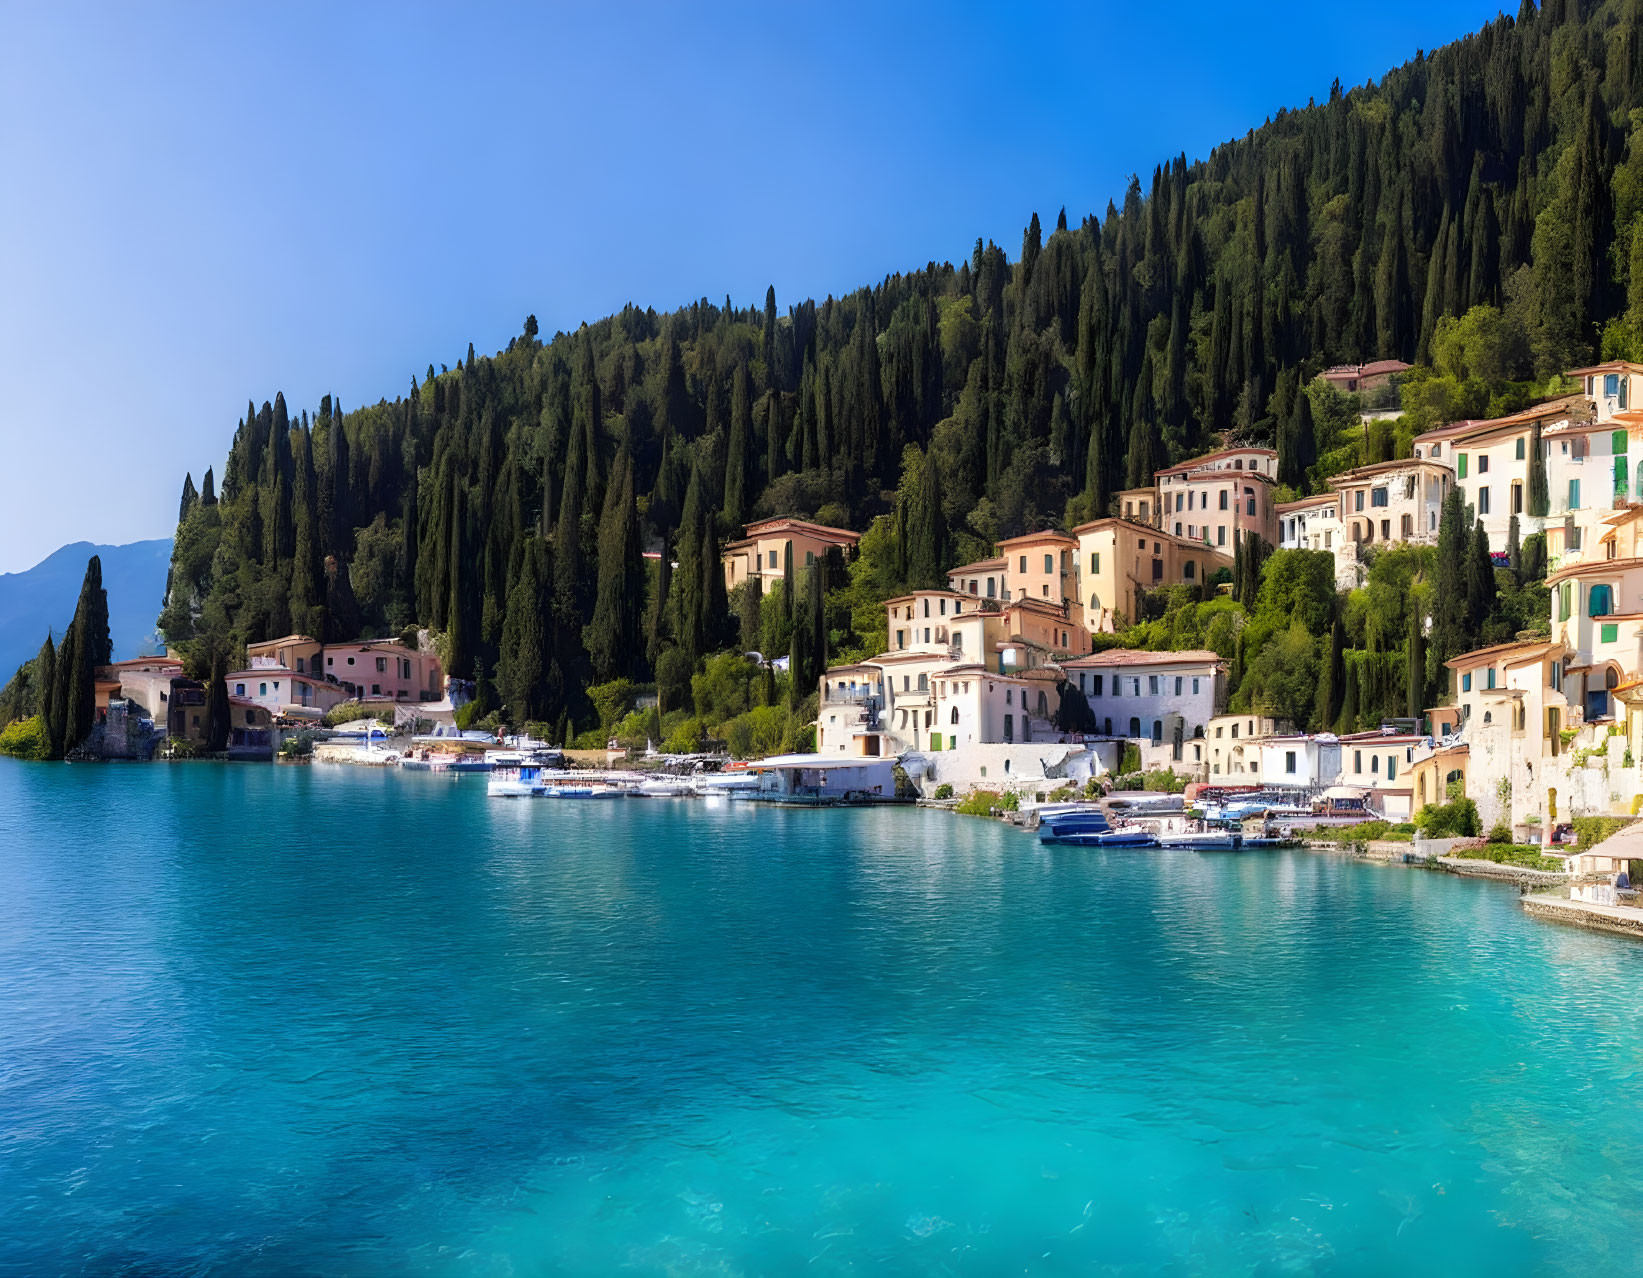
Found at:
(505, 500)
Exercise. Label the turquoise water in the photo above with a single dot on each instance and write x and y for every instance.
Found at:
(260, 1020)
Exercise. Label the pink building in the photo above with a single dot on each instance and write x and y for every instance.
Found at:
(385, 669)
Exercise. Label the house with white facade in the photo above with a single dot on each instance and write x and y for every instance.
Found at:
(1164, 698)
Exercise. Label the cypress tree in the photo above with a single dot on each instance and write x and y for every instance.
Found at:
(749, 615)
(51, 710)
(1480, 582)
(738, 448)
(208, 489)
(1415, 668)
(1332, 679)
(613, 632)
(1540, 502)
(1348, 720)
(926, 528)
(659, 629)
(217, 707)
(188, 499)
(1449, 622)
(522, 667)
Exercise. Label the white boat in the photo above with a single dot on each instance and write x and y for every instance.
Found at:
(665, 788)
(727, 784)
(1204, 840)
(526, 783)
(562, 791)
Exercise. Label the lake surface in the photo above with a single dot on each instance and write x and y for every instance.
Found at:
(269, 1020)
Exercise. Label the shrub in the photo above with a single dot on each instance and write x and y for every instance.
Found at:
(944, 791)
(348, 711)
(1131, 758)
(980, 803)
(1453, 820)
(1526, 855)
(1593, 830)
(1500, 832)
(26, 739)
(686, 738)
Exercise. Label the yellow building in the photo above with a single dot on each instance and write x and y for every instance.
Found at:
(763, 551)
(1117, 560)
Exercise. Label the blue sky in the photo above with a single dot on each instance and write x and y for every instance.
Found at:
(204, 204)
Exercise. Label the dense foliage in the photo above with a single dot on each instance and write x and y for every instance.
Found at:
(1475, 210)
(52, 698)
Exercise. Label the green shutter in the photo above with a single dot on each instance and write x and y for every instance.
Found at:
(1462, 460)
(1608, 632)
(1618, 442)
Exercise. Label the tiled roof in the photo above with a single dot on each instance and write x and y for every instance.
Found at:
(1140, 657)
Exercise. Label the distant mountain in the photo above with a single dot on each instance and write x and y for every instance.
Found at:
(43, 598)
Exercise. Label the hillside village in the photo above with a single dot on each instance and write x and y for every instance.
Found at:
(1534, 731)
(1013, 674)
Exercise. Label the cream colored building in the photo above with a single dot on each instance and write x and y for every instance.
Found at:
(1117, 560)
(1213, 498)
(763, 551)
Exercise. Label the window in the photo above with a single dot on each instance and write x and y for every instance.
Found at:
(1195, 687)
(989, 587)
(1357, 761)
(1483, 463)
(1563, 593)
(1177, 527)
(1460, 461)
(809, 558)
(1177, 685)
(376, 689)
(1095, 562)
(1600, 601)
(1096, 685)
(1221, 536)
(1483, 501)
(299, 665)
(1249, 503)
(1135, 726)
(262, 689)
(1223, 499)
(1009, 696)
(1611, 384)
(1520, 448)
(955, 714)
(350, 661)
(1049, 563)
(1190, 570)
(1009, 728)
(1391, 767)
(772, 558)
(1408, 526)
(901, 638)
(1379, 497)
(239, 690)
(1157, 732)
(330, 661)
(1574, 494)
(1152, 685)
(1289, 762)
(1608, 632)
(1491, 678)
(1023, 563)
(382, 665)
(1517, 497)
(1466, 682)
(1386, 530)
(1357, 500)
(1235, 732)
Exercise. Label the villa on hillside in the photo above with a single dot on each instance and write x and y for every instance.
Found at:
(763, 550)
(297, 676)
(1357, 378)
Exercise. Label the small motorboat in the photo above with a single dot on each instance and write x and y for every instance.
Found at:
(1088, 827)
(564, 791)
(665, 788)
(1204, 840)
(525, 783)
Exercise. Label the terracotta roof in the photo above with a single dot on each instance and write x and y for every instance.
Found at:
(1142, 657)
(787, 521)
(1194, 463)
(1370, 369)
(1386, 468)
(270, 643)
(1049, 534)
(918, 594)
(1593, 567)
(1612, 366)
(1375, 734)
(1300, 502)
(1186, 543)
(1483, 656)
